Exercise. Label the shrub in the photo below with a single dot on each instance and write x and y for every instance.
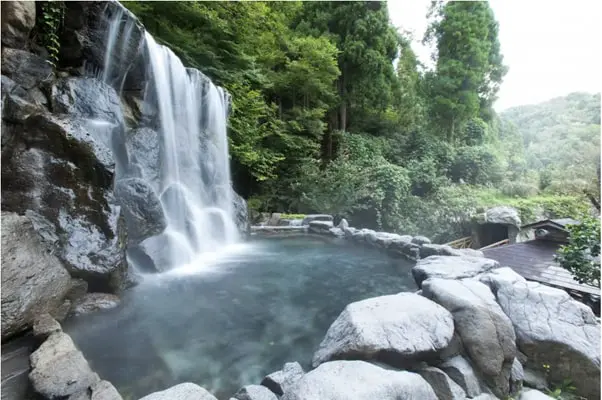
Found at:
(581, 257)
(477, 165)
(518, 189)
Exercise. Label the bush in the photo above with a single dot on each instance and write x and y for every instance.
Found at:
(581, 257)
(477, 165)
(518, 189)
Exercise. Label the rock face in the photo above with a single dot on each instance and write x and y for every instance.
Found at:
(141, 208)
(281, 381)
(241, 214)
(183, 391)
(44, 326)
(486, 332)
(390, 328)
(33, 280)
(552, 328)
(451, 267)
(25, 68)
(59, 369)
(359, 380)
(18, 18)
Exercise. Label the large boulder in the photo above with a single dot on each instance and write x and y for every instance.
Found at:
(183, 391)
(503, 215)
(33, 280)
(551, 329)
(241, 214)
(398, 329)
(451, 267)
(281, 381)
(359, 380)
(18, 19)
(58, 369)
(486, 332)
(462, 372)
(25, 68)
(141, 207)
(60, 172)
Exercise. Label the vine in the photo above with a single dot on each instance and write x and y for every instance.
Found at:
(51, 23)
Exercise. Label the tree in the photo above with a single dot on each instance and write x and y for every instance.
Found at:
(469, 65)
(581, 257)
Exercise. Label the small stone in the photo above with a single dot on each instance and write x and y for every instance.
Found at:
(280, 381)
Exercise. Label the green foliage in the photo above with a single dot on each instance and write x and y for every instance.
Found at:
(581, 257)
(50, 23)
(477, 165)
(292, 216)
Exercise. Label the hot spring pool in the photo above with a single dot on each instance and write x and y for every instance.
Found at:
(237, 318)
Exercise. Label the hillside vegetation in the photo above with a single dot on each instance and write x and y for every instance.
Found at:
(321, 120)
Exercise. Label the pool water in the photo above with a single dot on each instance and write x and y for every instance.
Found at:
(230, 320)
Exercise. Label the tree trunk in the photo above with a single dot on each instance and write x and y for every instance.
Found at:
(343, 95)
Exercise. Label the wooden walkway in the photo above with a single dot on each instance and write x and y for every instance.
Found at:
(534, 260)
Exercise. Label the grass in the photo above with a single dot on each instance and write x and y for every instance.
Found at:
(292, 216)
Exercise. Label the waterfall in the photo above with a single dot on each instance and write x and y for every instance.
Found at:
(194, 188)
(189, 116)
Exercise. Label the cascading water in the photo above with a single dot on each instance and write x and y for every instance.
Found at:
(192, 175)
(194, 185)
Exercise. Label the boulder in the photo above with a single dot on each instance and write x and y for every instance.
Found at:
(273, 220)
(44, 326)
(398, 329)
(102, 390)
(25, 68)
(336, 232)
(517, 375)
(343, 224)
(359, 380)
(530, 394)
(486, 332)
(402, 245)
(451, 267)
(535, 379)
(349, 232)
(34, 281)
(552, 329)
(18, 19)
(320, 226)
(281, 381)
(94, 302)
(254, 392)
(183, 391)
(141, 207)
(58, 369)
(317, 217)
(444, 387)
(241, 214)
(17, 108)
(420, 240)
(503, 215)
(427, 250)
(461, 372)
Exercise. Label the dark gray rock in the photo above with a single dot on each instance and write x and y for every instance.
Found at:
(486, 332)
(25, 68)
(517, 375)
(398, 329)
(58, 369)
(444, 387)
(359, 380)
(451, 267)
(241, 214)
(94, 302)
(317, 217)
(281, 381)
(255, 392)
(551, 329)
(141, 208)
(18, 19)
(16, 108)
(143, 149)
(462, 373)
(79, 288)
(183, 391)
(34, 281)
(44, 326)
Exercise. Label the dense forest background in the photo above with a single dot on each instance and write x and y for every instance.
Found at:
(324, 120)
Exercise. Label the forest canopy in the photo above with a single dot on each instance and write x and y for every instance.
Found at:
(324, 120)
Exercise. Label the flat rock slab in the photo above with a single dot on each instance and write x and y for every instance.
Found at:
(183, 391)
(359, 380)
(399, 329)
(451, 267)
(281, 381)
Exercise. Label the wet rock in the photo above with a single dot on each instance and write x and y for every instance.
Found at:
(25, 68)
(255, 392)
(486, 332)
(33, 280)
(552, 329)
(451, 267)
(59, 369)
(444, 387)
(462, 373)
(241, 214)
(17, 109)
(94, 302)
(44, 326)
(183, 391)
(344, 380)
(18, 19)
(87, 98)
(281, 381)
(398, 329)
(141, 207)
(420, 240)
(317, 217)
(102, 390)
(142, 147)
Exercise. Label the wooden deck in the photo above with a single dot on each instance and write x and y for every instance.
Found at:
(534, 260)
